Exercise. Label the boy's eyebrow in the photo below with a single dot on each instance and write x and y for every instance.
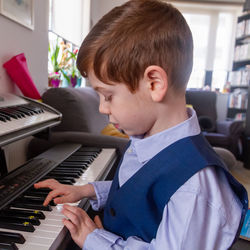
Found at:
(100, 89)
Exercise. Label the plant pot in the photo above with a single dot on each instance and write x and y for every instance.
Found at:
(55, 80)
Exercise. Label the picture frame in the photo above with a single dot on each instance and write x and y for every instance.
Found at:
(20, 11)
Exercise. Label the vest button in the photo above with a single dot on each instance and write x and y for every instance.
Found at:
(112, 211)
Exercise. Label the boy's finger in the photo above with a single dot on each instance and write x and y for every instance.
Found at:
(75, 210)
(50, 183)
(72, 217)
(98, 222)
(71, 227)
(52, 195)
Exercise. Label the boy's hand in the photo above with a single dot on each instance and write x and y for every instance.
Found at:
(64, 193)
(79, 223)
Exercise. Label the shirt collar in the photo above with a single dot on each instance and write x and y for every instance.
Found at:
(147, 148)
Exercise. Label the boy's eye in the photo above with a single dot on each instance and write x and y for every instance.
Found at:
(108, 98)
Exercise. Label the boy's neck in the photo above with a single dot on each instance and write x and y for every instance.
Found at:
(168, 115)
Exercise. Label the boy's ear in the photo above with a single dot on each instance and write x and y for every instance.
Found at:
(157, 82)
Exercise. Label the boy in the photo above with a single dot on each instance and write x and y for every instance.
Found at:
(170, 190)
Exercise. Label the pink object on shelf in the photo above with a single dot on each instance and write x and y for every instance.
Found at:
(17, 69)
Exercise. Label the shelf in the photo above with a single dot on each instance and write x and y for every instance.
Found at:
(231, 112)
(242, 40)
(239, 86)
(244, 17)
(240, 64)
(238, 109)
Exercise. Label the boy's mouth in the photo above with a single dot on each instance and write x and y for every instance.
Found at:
(118, 127)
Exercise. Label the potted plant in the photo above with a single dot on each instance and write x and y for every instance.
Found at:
(55, 73)
(71, 73)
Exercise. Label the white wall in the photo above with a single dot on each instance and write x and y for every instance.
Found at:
(16, 39)
(101, 7)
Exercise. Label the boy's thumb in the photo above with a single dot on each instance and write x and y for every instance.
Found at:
(98, 222)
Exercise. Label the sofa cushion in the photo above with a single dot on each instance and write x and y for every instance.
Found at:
(79, 107)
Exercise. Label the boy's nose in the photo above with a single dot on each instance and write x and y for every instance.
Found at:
(104, 109)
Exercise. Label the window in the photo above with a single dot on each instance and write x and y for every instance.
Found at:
(213, 28)
(70, 19)
(69, 23)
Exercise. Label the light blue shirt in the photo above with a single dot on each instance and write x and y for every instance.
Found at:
(203, 214)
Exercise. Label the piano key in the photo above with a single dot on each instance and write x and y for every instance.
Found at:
(63, 180)
(73, 164)
(18, 218)
(43, 190)
(24, 110)
(68, 170)
(36, 213)
(2, 118)
(15, 225)
(31, 206)
(8, 246)
(54, 174)
(8, 237)
(7, 117)
(35, 194)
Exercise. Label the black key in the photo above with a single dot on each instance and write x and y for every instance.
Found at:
(54, 174)
(8, 246)
(21, 114)
(58, 177)
(66, 182)
(18, 218)
(34, 109)
(8, 237)
(2, 118)
(74, 164)
(31, 206)
(36, 194)
(26, 226)
(25, 111)
(44, 190)
(34, 199)
(9, 114)
(7, 117)
(67, 169)
(11, 211)
(14, 112)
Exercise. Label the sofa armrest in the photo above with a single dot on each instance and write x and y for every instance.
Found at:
(38, 146)
(233, 128)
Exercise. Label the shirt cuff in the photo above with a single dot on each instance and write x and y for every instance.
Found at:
(100, 239)
(102, 190)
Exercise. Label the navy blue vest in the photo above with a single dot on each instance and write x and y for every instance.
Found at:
(136, 208)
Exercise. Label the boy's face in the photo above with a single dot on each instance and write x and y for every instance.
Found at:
(131, 112)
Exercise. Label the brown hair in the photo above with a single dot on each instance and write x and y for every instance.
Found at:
(132, 37)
